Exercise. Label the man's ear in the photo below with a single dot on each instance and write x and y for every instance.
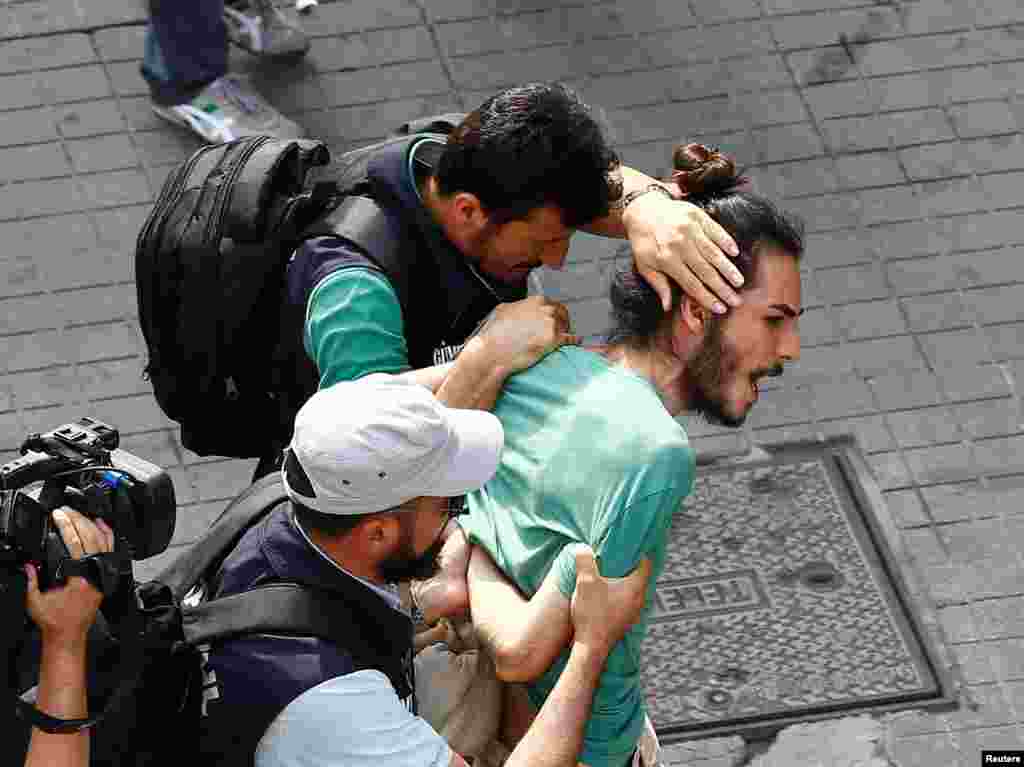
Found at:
(468, 212)
(381, 533)
(693, 316)
(689, 322)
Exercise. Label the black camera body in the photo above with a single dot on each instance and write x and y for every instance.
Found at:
(81, 467)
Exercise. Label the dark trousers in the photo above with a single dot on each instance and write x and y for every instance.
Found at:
(186, 48)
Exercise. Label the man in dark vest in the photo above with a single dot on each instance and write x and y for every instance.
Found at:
(479, 210)
(365, 464)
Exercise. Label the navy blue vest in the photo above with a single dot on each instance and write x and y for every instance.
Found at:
(248, 681)
(447, 301)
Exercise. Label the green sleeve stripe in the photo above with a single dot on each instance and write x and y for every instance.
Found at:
(354, 326)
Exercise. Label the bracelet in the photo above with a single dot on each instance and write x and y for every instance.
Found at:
(625, 201)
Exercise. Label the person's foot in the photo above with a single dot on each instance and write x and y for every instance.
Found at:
(228, 109)
(263, 30)
(446, 595)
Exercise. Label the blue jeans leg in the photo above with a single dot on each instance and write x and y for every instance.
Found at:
(186, 48)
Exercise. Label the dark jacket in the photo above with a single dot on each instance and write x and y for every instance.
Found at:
(250, 680)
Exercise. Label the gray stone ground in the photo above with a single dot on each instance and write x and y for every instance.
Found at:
(894, 127)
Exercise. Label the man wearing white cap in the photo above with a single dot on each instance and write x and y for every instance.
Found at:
(366, 465)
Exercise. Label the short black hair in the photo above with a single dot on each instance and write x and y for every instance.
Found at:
(530, 146)
(331, 525)
(710, 180)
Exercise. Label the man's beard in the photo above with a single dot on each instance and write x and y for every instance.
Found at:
(406, 566)
(706, 376)
(508, 287)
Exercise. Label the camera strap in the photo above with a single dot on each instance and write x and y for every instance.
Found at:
(133, 660)
(101, 570)
(50, 724)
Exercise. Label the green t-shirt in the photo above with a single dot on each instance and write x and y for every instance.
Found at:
(591, 456)
(354, 327)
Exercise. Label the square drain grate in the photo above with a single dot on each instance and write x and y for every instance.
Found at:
(782, 602)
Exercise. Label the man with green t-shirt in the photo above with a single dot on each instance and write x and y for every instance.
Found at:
(593, 455)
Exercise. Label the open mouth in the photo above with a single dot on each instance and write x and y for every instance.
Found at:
(759, 374)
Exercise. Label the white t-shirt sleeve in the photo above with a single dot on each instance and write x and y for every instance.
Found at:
(351, 721)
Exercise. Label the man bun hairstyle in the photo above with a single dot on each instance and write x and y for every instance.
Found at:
(702, 172)
(710, 180)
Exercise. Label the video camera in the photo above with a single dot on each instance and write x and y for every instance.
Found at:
(80, 466)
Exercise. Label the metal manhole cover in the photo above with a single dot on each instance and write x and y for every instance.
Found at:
(780, 602)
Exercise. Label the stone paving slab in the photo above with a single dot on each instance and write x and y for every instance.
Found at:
(894, 127)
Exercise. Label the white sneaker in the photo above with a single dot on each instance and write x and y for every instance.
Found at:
(260, 28)
(228, 109)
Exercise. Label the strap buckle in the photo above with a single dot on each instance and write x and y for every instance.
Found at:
(101, 570)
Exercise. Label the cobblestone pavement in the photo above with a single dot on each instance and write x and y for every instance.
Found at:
(894, 127)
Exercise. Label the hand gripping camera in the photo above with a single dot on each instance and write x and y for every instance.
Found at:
(81, 466)
(77, 465)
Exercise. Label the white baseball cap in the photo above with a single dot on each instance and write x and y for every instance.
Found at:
(369, 445)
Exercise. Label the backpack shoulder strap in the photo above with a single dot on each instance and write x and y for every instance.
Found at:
(377, 233)
(285, 608)
(301, 611)
(246, 510)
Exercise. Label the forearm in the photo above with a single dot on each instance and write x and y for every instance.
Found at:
(473, 382)
(556, 735)
(494, 602)
(470, 383)
(611, 225)
(62, 694)
(431, 377)
(523, 636)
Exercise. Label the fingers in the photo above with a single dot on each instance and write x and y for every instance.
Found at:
(93, 539)
(557, 310)
(69, 533)
(82, 536)
(691, 287)
(725, 243)
(661, 286)
(586, 564)
(108, 535)
(33, 580)
(711, 266)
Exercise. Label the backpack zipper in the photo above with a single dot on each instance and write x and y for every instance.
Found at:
(215, 229)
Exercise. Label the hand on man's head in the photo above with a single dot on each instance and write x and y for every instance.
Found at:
(67, 612)
(676, 241)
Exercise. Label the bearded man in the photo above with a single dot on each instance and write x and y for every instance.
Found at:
(593, 454)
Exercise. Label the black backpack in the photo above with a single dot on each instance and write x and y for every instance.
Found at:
(148, 681)
(225, 352)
